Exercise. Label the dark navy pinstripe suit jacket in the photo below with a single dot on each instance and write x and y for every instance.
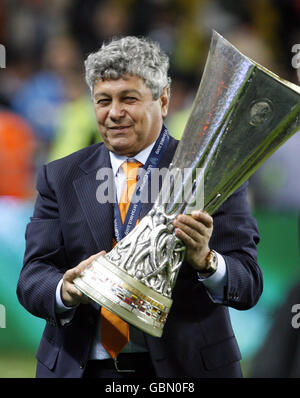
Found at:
(68, 225)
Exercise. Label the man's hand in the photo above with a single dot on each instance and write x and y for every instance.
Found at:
(195, 231)
(70, 295)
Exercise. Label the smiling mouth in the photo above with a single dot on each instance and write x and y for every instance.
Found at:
(118, 128)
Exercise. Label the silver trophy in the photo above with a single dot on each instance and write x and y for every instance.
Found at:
(242, 113)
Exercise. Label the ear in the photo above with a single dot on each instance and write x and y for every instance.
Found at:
(164, 101)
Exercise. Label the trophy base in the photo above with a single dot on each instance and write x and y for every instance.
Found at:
(131, 300)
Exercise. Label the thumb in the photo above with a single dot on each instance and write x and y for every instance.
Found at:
(85, 263)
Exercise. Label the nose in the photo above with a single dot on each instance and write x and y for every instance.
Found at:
(116, 111)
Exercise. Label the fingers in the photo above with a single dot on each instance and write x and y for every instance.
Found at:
(193, 228)
(73, 273)
(85, 263)
(186, 231)
(203, 217)
(70, 294)
(195, 231)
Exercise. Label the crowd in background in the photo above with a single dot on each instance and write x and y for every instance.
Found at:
(46, 113)
(45, 107)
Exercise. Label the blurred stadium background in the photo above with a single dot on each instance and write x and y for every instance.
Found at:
(45, 114)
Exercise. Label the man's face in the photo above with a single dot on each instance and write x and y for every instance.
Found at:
(128, 118)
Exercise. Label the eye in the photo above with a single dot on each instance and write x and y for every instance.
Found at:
(103, 101)
(129, 100)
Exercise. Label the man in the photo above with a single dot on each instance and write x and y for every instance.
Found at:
(130, 88)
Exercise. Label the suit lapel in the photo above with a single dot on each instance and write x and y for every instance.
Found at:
(99, 215)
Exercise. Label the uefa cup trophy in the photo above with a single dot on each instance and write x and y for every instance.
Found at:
(241, 114)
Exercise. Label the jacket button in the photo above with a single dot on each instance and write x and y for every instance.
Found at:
(81, 364)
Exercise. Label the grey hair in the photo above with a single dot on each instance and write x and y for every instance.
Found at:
(133, 56)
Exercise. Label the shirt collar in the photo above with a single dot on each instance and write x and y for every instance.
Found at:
(117, 160)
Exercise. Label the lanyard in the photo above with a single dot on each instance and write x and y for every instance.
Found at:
(135, 206)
